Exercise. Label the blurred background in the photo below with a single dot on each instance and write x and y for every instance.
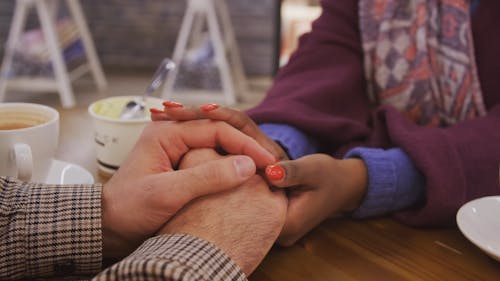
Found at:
(132, 36)
(130, 39)
(137, 34)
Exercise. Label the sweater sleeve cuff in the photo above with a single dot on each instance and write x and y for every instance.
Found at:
(175, 257)
(293, 140)
(63, 230)
(394, 183)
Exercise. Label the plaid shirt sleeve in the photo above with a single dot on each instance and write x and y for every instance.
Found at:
(174, 257)
(49, 230)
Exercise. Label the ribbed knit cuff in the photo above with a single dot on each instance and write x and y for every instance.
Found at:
(393, 181)
(293, 140)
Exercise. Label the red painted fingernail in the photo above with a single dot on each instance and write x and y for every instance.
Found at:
(172, 104)
(275, 172)
(209, 107)
(154, 110)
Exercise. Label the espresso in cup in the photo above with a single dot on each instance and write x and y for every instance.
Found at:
(28, 140)
(11, 119)
(14, 126)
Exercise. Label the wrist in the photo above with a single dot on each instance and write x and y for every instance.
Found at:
(357, 174)
(114, 244)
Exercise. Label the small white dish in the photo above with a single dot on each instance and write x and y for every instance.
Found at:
(62, 172)
(479, 221)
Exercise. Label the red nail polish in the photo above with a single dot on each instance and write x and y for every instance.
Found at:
(275, 172)
(154, 110)
(172, 104)
(209, 107)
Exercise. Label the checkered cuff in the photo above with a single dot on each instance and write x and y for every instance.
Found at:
(175, 257)
(49, 230)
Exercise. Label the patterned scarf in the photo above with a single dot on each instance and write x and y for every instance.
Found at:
(419, 58)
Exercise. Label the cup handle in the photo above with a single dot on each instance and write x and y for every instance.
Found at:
(24, 161)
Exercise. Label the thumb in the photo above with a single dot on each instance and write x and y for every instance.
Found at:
(302, 171)
(211, 177)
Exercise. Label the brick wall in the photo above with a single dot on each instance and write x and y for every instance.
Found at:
(133, 34)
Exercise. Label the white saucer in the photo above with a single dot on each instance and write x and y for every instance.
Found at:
(67, 173)
(479, 221)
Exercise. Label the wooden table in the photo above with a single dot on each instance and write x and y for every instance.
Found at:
(379, 249)
(339, 249)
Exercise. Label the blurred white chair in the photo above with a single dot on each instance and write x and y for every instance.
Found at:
(47, 10)
(227, 56)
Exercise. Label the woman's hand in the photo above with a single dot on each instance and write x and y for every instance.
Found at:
(147, 190)
(319, 186)
(177, 112)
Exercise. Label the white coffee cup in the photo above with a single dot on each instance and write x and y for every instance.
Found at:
(115, 137)
(29, 135)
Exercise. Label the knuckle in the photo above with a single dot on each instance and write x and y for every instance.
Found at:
(213, 174)
(318, 160)
(291, 172)
(238, 120)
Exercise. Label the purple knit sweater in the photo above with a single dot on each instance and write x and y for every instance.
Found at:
(322, 93)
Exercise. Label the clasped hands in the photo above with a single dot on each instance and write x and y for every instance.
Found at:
(219, 199)
(318, 186)
(174, 181)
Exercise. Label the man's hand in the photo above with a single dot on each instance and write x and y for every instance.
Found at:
(147, 190)
(243, 222)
